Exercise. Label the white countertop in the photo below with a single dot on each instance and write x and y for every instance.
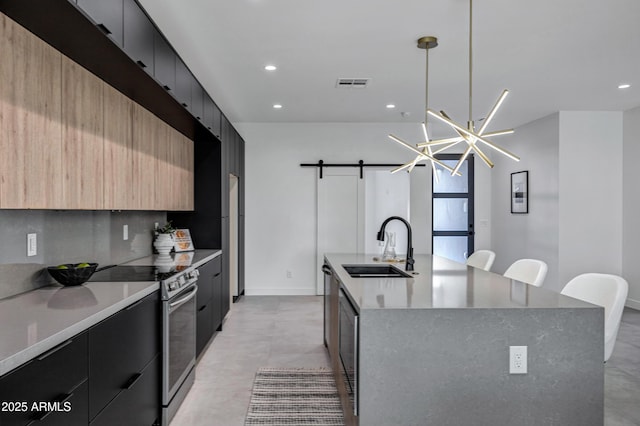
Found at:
(36, 321)
(32, 323)
(443, 283)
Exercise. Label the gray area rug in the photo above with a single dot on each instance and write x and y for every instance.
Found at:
(294, 396)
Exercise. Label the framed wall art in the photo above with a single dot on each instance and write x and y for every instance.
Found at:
(520, 192)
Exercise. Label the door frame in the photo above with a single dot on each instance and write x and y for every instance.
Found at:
(470, 195)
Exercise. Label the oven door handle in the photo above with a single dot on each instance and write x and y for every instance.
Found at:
(184, 300)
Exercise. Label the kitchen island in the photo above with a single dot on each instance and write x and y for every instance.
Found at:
(433, 349)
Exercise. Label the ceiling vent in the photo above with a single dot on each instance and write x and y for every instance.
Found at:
(352, 83)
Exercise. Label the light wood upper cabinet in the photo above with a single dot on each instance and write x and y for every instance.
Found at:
(164, 170)
(82, 137)
(174, 178)
(144, 161)
(118, 151)
(70, 141)
(181, 190)
(30, 121)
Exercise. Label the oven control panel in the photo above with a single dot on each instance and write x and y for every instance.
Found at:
(176, 283)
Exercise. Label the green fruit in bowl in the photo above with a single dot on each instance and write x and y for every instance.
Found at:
(82, 265)
(62, 267)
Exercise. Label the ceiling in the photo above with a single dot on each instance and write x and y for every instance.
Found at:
(552, 55)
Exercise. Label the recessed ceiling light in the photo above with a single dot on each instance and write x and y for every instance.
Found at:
(277, 106)
(624, 86)
(270, 67)
(390, 106)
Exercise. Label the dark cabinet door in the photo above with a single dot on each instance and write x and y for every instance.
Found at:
(204, 321)
(197, 99)
(217, 122)
(242, 178)
(211, 116)
(216, 300)
(107, 15)
(120, 347)
(226, 294)
(164, 59)
(240, 255)
(55, 376)
(138, 35)
(139, 401)
(183, 84)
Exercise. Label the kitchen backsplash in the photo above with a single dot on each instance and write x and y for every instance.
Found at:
(68, 237)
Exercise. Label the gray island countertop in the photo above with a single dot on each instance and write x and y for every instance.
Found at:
(442, 283)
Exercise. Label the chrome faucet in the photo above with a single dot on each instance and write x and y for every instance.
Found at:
(410, 261)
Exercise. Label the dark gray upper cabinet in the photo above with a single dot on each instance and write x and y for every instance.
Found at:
(197, 99)
(107, 15)
(183, 84)
(208, 112)
(164, 59)
(138, 35)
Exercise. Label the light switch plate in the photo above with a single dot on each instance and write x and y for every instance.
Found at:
(32, 244)
(125, 232)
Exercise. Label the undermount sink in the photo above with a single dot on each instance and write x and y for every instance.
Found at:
(375, 271)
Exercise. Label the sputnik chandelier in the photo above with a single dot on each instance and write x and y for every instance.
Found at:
(468, 134)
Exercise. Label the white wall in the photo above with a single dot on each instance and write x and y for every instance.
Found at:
(574, 223)
(590, 193)
(631, 205)
(280, 203)
(532, 235)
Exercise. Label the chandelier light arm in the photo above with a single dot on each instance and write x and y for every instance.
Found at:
(498, 133)
(417, 151)
(439, 142)
(493, 111)
(471, 134)
(482, 155)
(461, 161)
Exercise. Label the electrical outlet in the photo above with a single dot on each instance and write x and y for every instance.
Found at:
(517, 360)
(289, 274)
(125, 232)
(32, 244)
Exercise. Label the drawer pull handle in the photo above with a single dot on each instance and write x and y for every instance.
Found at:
(132, 381)
(60, 400)
(202, 308)
(54, 350)
(134, 304)
(142, 64)
(104, 29)
(217, 274)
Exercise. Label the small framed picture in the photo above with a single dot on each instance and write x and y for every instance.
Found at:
(520, 192)
(182, 240)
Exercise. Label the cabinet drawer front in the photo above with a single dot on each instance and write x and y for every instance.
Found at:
(120, 347)
(73, 412)
(216, 264)
(47, 378)
(204, 327)
(137, 405)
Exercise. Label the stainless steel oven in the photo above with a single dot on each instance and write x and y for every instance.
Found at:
(179, 340)
(348, 347)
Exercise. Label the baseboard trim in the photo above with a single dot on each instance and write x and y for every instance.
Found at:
(280, 291)
(634, 304)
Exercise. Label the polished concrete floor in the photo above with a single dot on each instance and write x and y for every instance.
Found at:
(286, 331)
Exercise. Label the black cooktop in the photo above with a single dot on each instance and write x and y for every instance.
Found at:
(132, 273)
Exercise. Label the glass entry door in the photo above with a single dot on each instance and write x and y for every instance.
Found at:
(452, 207)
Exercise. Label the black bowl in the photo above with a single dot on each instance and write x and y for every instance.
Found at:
(72, 275)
